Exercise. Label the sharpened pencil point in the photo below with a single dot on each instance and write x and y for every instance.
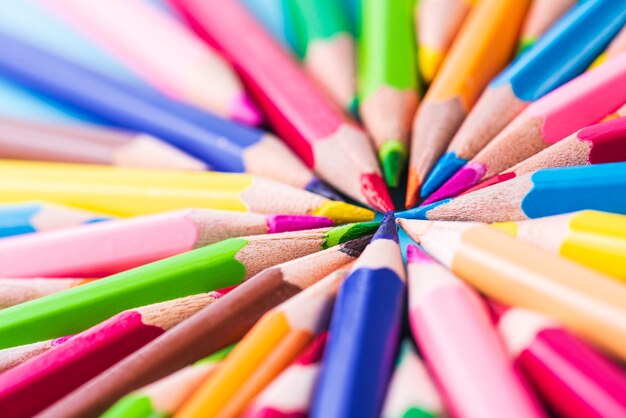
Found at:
(349, 232)
(318, 187)
(393, 156)
(353, 108)
(412, 188)
(342, 213)
(445, 168)
(500, 178)
(243, 110)
(284, 223)
(429, 61)
(375, 191)
(387, 229)
(465, 178)
(415, 254)
(421, 212)
(525, 44)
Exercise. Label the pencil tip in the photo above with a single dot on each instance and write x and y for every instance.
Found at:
(318, 187)
(243, 110)
(393, 155)
(500, 178)
(465, 178)
(353, 108)
(412, 188)
(285, 223)
(445, 168)
(421, 212)
(375, 191)
(387, 228)
(350, 232)
(525, 44)
(415, 254)
(429, 61)
(342, 212)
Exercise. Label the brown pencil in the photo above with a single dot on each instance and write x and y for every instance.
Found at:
(209, 330)
(15, 291)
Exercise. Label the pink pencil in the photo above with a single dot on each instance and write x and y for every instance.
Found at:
(290, 394)
(106, 248)
(311, 123)
(161, 50)
(452, 327)
(57, 372)
(573, 378)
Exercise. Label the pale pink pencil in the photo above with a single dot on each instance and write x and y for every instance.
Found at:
(460, 344)
(106, 248)
(161, 50)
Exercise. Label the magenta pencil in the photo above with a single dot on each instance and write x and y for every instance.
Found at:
(103, 249)
(57, 372)
(573, 378)
(452, 327)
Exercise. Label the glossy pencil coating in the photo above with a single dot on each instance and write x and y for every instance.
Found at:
(516, 273)
(452, 327)
(563, 53)
(325, 43)
(25, 140)
(437, 24)
(542, 14)
(546, 192)
(388, 83)
(100, 250)
(483, 47)
(220, 143)
(224, 264)
(277, 339)
(57, 372)
(28, 217)
(211, 329)
(130, 192)
(163, 52)
(574, 378)
(364, 328)
(325, 138)
(412, 392)
(594, 239)
(290, 394)
(585, 100)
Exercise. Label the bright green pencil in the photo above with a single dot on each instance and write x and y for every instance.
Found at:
(226, 263)
(388, 82)
(325, 43)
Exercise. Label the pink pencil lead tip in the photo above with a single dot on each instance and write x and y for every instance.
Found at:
(244, 110)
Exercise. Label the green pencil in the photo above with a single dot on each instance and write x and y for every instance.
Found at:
(388, 82)
(325, 43)
(226, 263)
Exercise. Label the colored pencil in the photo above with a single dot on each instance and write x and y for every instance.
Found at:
(16, 291)
(388, 84)
(57, 372)
(226, 263)
(220, 143)
(28, 217)
(11, 357)
(412, 392)
(326, 139)
(129, 191)
(278, 338)
(516, 273)
(453, 330)
(595, 144)
(325, 44)
(290, 394)
(616, 47)
(165, 396)
(594, 239)
(541, 15)
(583, 101)
(550, 191)
(103, 249)
(483, 48)
(364, 328)
(26, 140)
(272, 14)
(437, 24)
(163, 52)
(209, 330)
(564, 52)
(572, 377)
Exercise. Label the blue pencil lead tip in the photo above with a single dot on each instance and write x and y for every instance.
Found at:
(387, 228)
(421, 212)
(443, 170)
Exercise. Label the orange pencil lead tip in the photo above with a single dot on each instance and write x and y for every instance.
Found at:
(412, 189)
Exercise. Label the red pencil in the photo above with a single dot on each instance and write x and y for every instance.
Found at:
(324, 137)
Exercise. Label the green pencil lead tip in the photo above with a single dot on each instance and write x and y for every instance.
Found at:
(348, 232)
(393, 156)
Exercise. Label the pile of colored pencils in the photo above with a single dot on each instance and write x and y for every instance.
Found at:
(198, 208)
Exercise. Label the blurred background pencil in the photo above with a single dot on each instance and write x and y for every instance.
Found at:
(617, 46)
(541, 15)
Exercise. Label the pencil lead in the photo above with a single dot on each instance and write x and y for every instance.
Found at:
(422, 211)
(416, 254)
(375, 191)
(319, 187)
(349, 232)
(353, 108)
(393, 156)
(387, 229)
(465, 178)
(342, 212)
(430, 61)
(412, 188)
(285, 223)
(525, 44)
(445, 168)
(243, 110)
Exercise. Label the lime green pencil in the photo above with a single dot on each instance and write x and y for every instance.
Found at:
(325, 43)
(388, 82)
(224, 264)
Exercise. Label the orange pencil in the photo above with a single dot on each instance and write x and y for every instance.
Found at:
(483, 48)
